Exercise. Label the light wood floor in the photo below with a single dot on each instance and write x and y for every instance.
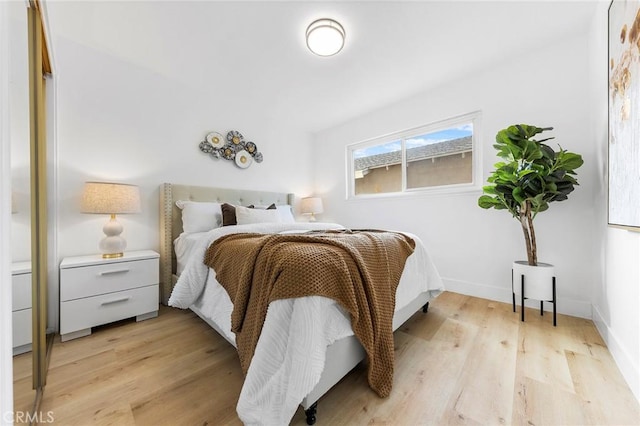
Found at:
(468, 361)
(23, 393)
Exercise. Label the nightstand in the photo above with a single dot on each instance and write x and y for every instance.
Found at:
(96, 291)
(21, 306)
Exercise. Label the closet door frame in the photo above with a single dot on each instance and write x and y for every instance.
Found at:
(39, 67)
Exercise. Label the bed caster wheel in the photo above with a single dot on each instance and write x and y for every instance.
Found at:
(425, 308)
(311, 413)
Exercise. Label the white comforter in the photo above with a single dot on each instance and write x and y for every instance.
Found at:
(290, 355)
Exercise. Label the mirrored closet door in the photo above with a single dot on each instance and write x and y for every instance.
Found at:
(21, 280)
(29, 201)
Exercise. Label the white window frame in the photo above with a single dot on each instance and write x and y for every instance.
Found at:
(476, 147)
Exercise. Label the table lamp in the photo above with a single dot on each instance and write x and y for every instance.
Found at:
(311, 206)
(111, 198)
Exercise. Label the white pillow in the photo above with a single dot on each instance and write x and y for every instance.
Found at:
(286, 215)
(199, 216)
(246, 215)
(285, 211)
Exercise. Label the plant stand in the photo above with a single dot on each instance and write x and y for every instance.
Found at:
(522, 298)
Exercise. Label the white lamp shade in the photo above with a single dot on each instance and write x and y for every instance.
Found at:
(311, 205)
(110, 198)
(325, 37)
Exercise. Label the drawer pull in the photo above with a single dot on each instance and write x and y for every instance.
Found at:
(117, 271)
(111, 302)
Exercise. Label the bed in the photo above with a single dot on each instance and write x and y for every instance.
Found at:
(272, 391)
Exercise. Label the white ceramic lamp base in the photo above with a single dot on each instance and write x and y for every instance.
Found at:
(113, 244)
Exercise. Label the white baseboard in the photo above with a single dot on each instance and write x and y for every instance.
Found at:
(628, 368)
(575, 308)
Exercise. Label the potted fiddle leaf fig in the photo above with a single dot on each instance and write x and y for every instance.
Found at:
(530, 176)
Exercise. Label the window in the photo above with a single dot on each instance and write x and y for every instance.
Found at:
(439, 157)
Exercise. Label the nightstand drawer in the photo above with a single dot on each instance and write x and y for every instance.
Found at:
(91, 311)
(21, 327)
(21, 292)
(94, 280)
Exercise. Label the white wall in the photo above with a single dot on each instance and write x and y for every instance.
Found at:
(20, 143)
(473, 248)
(6, 344)
(122, 121)
(118, 120)
(616, 294)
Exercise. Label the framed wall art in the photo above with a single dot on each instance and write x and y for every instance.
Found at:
(624, 114)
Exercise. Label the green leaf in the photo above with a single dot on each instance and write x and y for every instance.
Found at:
(558, 174)
(506, 176)
(502, 138)
(490, 189)
(564, 187)
(514, 151)
(542, 143)
(534, 184)
(526, 172)
(504, 189)
(487, 202)
(537, 201)
(518, 194)
(569, 161)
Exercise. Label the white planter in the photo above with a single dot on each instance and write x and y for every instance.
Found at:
(538, 280)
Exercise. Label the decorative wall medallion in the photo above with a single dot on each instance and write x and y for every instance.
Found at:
(206, 147)
(215, 139)
(228, 153)
(235, 137)
(233, 148)
(243, 159)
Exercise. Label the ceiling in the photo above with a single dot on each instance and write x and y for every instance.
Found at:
(254, 53)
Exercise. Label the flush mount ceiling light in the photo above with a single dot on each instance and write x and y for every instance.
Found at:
(325, 37)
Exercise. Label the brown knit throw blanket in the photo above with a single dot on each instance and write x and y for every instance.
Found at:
(358, 269)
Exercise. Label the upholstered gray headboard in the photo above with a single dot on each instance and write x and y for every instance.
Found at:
(171, 218)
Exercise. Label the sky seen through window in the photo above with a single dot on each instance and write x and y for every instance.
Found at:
(415, 141)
